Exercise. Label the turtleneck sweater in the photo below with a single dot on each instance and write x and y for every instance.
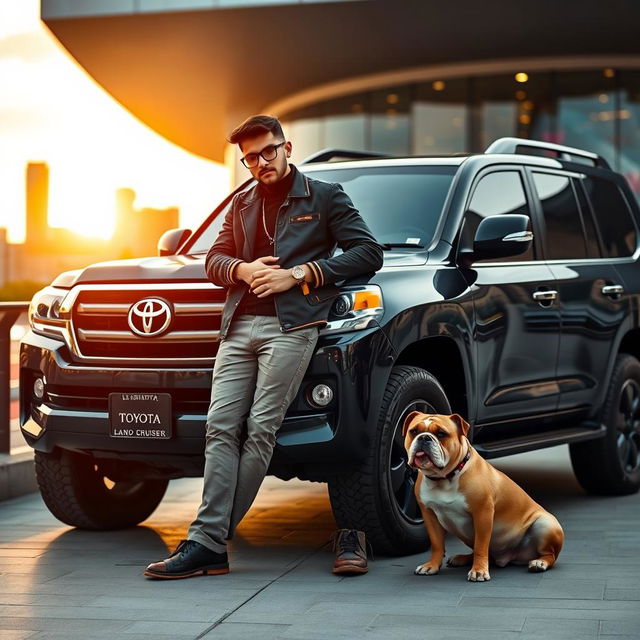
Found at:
(272, 197)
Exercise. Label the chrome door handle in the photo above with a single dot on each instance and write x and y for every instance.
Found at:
(540, 296)
(613, 290)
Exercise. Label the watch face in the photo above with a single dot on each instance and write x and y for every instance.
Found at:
(297, 273)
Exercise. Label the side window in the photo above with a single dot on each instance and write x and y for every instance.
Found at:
(496, 194)
(564, 234)
(613, 217)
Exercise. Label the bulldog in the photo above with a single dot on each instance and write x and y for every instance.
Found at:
(460, 492)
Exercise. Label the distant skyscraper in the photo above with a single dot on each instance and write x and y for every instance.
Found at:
(37, 203)
(138, 230)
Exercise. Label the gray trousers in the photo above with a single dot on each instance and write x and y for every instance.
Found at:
(257, 373)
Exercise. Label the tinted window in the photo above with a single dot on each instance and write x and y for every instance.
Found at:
(613, 217)
(495, 194)
(399, 204)
(564, 235)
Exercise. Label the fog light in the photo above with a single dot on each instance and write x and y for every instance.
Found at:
(321, 395)
(38, 388)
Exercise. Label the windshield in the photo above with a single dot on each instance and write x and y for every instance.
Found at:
(401, 205)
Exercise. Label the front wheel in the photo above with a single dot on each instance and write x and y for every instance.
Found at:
(79, 492)
(377, 496)
(611, 465)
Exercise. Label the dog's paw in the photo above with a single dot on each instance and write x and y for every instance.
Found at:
(426, 569)
(461, 560)
(478, 576)
(535, 566)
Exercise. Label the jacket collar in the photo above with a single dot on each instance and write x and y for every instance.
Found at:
(300, 186)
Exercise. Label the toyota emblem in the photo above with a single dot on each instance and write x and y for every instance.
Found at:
(149, 317)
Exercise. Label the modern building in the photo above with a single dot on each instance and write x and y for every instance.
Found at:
(401, 76)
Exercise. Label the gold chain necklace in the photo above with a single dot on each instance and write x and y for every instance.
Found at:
(264, 225)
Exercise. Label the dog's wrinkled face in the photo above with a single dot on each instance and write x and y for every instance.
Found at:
(433, 440)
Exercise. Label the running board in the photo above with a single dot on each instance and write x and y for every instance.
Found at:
(538, 441)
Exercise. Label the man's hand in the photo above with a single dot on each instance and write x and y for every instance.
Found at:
(269, 281)
(246, 271)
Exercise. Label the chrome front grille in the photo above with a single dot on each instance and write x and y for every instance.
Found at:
(100, 326)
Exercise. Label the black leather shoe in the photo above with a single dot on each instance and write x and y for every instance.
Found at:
(189, 559)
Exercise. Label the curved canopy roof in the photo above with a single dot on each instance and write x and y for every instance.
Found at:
(193, 75)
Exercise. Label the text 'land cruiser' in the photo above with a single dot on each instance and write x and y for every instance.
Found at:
(509, 294)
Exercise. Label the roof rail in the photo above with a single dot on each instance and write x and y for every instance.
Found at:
(327, 155)
(518, 145)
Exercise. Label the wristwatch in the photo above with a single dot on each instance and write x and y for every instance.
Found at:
(298, 275)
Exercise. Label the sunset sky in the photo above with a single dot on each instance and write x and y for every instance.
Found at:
(52, 111)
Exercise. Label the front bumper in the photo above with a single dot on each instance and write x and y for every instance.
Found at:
(74, 411)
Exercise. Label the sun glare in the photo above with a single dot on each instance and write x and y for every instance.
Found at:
(53, 112)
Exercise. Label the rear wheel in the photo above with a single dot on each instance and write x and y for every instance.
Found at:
(78, 491)
(377, 496)
(611, 465)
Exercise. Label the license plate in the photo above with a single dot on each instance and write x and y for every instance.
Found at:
(140, 415)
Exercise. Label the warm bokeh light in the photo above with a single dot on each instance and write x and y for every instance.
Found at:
(52, 111)
(521, 77)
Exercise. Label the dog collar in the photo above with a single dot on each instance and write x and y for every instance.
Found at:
(451, 474)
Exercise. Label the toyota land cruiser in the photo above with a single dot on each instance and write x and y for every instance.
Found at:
(509, 294)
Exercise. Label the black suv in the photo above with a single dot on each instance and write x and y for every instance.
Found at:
(509, 294)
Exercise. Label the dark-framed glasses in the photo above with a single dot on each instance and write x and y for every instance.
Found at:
(270, 152)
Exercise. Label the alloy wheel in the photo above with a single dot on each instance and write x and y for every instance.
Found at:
(628, 437)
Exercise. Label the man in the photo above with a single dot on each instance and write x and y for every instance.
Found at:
(274, 253)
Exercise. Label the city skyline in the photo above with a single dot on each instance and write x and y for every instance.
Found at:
(48, 250)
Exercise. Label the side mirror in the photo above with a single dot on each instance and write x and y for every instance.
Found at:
(502, 236)
(170, 241)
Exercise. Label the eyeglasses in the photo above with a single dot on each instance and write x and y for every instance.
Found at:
(270, 152)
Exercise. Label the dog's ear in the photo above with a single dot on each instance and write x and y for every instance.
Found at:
(408, 420)
(463, 425)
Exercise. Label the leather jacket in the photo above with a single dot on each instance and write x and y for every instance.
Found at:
(314, 218)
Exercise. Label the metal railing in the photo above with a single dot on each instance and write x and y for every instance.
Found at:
(9, 313)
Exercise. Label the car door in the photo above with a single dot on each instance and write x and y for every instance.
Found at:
(516, 321)
(590, 296)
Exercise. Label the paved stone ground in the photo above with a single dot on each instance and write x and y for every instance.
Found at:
(56, 582)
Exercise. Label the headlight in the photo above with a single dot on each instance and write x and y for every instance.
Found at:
(44, 312)
(356, 308)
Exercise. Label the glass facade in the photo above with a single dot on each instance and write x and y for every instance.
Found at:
(597, 110)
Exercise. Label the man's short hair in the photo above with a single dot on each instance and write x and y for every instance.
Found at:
(256, 126)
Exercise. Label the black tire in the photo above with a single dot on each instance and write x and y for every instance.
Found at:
(79, 494)
(377, 496)
(611, 465)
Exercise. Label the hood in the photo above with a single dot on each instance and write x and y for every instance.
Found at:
(404, 258)
(188, 268)
(155, 269)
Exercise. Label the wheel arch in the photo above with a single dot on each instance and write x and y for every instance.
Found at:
(630, 343)
(442, 357)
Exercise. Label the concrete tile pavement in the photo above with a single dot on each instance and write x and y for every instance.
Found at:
(56, 582)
